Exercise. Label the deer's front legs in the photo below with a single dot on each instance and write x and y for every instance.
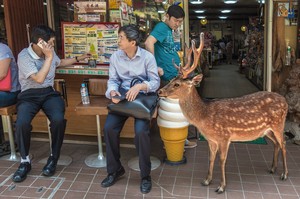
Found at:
(223, 151)
(213, 148)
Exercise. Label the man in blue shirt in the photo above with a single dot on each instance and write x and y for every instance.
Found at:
(161, 43)
(129, 62)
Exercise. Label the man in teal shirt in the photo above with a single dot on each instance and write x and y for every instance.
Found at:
(161, 43)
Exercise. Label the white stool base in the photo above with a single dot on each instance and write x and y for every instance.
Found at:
(96, 161)
(133, 163)
(63, 160)
(11, 157)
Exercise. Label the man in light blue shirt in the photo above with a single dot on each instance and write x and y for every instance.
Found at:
(129, 62)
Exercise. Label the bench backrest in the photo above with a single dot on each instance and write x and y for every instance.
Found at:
(97, 86)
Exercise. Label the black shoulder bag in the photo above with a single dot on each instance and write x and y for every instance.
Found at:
(142, 107)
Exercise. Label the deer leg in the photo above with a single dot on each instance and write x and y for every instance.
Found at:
(271, 136)
(284, 175)
(223, 151)
(213, 148)
(281, 143)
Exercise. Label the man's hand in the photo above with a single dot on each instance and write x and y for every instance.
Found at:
(133, 92)
(48, 51)
(114, 99)
(84, 56)
(160, 71)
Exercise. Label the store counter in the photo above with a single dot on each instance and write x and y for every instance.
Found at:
(80, 125)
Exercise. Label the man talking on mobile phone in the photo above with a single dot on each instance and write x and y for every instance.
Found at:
(37, 65)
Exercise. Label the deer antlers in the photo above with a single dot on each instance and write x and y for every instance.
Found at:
(187, 69)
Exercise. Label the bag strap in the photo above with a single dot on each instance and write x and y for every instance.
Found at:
(134, 81)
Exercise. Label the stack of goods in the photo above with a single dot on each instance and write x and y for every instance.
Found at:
(291, 91)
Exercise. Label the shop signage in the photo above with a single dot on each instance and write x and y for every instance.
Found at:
(94, 11)
(115, 4)
(82, 71)
(99, 39)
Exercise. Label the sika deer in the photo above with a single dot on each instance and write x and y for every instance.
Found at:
(224, 121)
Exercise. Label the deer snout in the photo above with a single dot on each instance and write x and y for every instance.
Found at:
(160, 93)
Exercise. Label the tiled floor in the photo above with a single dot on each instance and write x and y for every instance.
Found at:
(246, 170)
(247, 175)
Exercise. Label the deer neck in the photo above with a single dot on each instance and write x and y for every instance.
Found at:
(192, 101)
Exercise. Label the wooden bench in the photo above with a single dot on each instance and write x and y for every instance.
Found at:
(98, 107)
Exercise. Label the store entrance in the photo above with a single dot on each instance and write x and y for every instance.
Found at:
(233, 55)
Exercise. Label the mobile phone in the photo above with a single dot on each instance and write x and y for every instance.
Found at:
(41, 43)
(122, 97)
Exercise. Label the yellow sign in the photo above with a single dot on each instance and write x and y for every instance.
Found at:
(115, 4)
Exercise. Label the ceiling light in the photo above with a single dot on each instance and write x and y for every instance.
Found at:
(201, 17)
(197, 2)
(225, 11)
(243, 28)
(261, 1)
(230, 1)
(222, 17)
(203, 21)
(199, 11)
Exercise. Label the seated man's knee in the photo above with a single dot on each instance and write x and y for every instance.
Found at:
(57, 119)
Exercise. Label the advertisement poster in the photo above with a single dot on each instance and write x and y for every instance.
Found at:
(99, 39)
(115, 16)
(93, 11)
(124, 11)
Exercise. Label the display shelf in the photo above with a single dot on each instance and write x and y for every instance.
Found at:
(254, 58)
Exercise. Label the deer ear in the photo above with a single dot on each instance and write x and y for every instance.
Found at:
(197, 79)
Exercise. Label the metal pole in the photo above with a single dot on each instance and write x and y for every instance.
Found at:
(186, 28)
(269, 5)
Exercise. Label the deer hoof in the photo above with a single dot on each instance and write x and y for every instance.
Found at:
(205, 182)
(283, 176)
(272, 171)
(220, 189)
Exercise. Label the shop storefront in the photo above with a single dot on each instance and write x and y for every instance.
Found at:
(83, 26)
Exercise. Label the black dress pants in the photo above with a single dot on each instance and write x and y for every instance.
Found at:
(29, 104)
(112, 129)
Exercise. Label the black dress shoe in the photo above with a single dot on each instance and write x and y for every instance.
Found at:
(50, 168)
(22, 172)
(146, 185)
(112, 178)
